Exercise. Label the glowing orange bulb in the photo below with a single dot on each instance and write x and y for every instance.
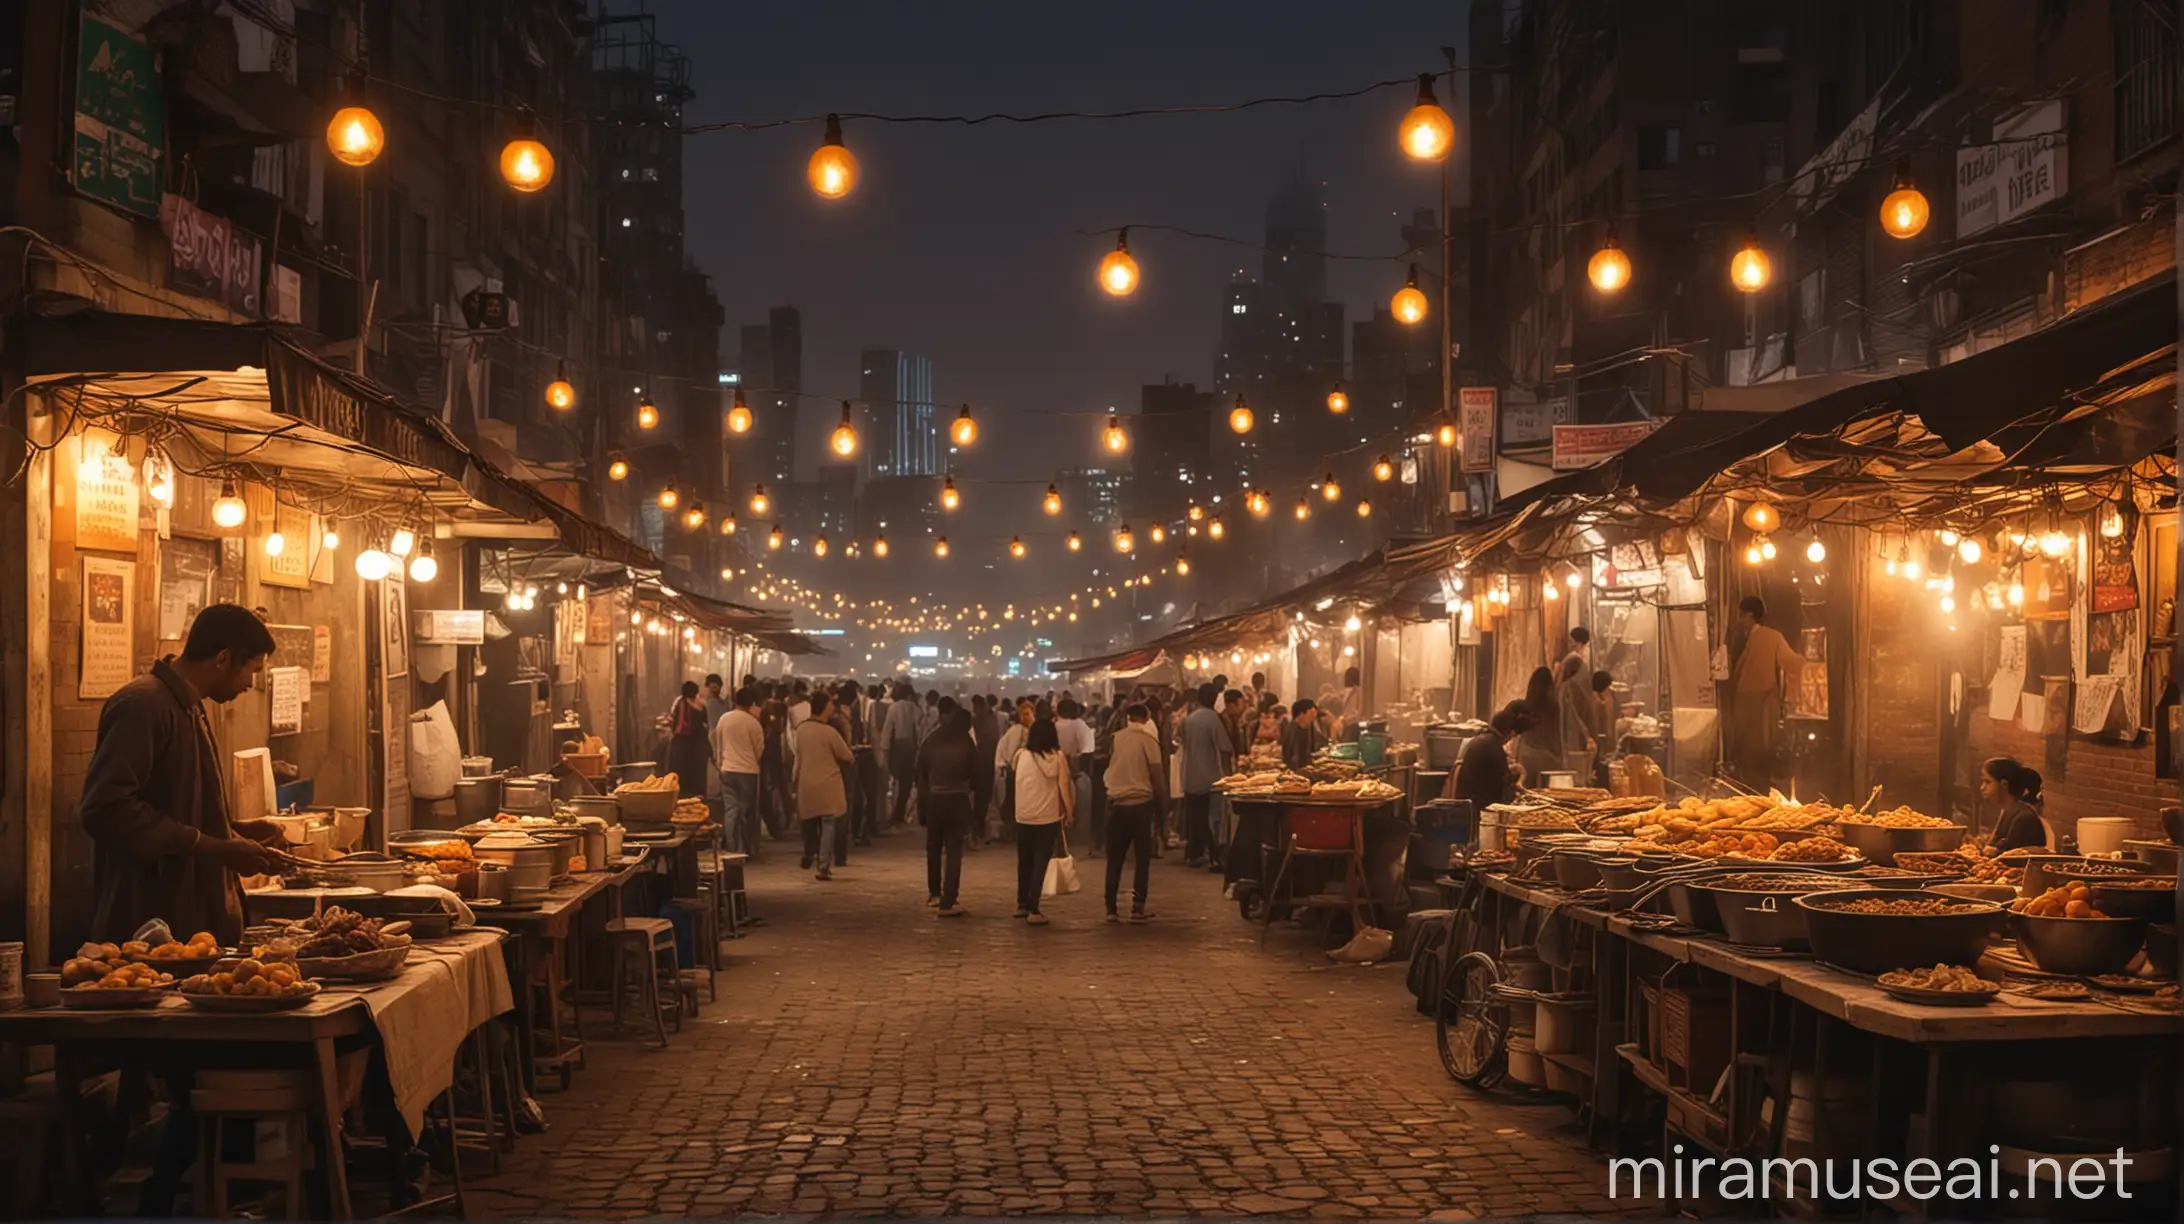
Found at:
(1409, 303)
(1113, 438)
(648, 415)
(833, 168)
(1197, 513)
(618, 468)
(1750, 270)
(560, 395)
(355, 137)
(1159, 533)
(1364, 508)
(1609, 269)
(1240, 418)
(949, 498)
(1338, 400)
(759, 501)
(526, 165)
(728, 522)
(1016, 547)
(1329, 489)
(1119, 270)
(1905, 212)
(1258, 503)
(1383, 469)
(774, 539)
(819, 545)
(1053, 501)
(1445, 436)
(1304, 509)
(965, 430)
(843, 441)
(1075, 544)
(940, 547)
(1124, 541)
(694, 517)
(739, 415)
(879, 546)
(1426, 133)
(669, 497)
(1182, 566)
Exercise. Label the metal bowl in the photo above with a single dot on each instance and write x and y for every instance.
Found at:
(1694, 907)
(2045, 871)
(1880, 843)
(1577, 870)
(1879, 943)
(2158, 855)
(1619, 873)
(1760, 919)
(2079, 945)
(2152, 904)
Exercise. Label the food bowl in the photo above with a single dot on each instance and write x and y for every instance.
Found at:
(1880, 943)
(2001, 894)
(652, 805)
(1881, 843)
(2045, 871)
(1874, 876)
(1695, 907)
(1577, 870)
(1619, 873)
(1760, 920)
(2079, 946)
(2150, 897)
(2158, 855)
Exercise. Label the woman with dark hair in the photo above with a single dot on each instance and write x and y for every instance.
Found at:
(1540, 748)
(1046, 797)
(689, 741)
(1484, 773)
(2016, 787)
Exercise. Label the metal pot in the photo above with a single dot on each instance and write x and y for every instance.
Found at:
(1694, 907)
(605, 807)
(477, 766)
(1619, 873)
(530, 866)
(594, 837)
(528, 796)
(378, 873)
(2079, 945)
(488, 883)
(634, 771)
(2161, 856)
(1760, 920)
(1576, 870)
(1879, 943)
(1881, 843)
(2152, 904)
(477, 800)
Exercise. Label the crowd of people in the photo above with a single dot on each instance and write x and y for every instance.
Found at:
(833, 765)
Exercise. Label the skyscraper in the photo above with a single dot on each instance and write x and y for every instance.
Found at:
(1282, 342)
(772, 369)
(897, 390)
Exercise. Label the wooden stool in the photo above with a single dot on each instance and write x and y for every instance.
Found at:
(648, 939)
(704, 944)
(220, 1097)
(549, 977)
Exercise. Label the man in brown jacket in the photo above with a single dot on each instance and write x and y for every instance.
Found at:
(154, 801)
(823, 766)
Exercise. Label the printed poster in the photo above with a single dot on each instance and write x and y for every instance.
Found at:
(2115, 571)
(121, 119)
(289, 691)
(299, 535)
(322, 654)
(106, 502)
(109, 622)
(1476, 410)
(2009, 675)
(394, 626)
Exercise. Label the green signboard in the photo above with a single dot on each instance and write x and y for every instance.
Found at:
(121, 120)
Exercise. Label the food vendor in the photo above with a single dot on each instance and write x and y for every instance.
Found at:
(1484, 773)
(2016, 787)
(155, 800)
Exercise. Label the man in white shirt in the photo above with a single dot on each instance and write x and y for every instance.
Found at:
(738, 743)
(1078, 745)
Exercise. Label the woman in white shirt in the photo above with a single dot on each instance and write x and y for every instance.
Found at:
(1004, 764)
(1045, 797)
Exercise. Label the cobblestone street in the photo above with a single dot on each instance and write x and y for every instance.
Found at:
(868, 1058)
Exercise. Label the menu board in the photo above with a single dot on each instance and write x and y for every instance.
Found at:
(106, 500)
(109, 622)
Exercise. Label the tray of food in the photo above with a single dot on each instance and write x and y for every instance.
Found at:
(177, 956)
(250, 985)
(88, 985)
(344, 944)
(1940, 986)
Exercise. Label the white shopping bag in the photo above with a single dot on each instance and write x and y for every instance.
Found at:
(1061, 873)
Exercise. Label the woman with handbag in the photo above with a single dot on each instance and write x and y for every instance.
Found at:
(1046, 799)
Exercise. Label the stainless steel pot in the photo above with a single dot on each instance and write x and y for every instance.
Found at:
(1760, 920)
(477, 766)
(529, 867)
(531, 796)
(605, 807)
(377, 874)
(1881, 843)
(477, 799)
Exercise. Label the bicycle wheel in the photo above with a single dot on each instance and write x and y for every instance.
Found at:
(1471, 1024)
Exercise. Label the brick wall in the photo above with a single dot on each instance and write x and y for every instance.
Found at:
(2100, 779)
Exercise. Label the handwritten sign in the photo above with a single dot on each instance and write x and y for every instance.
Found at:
(289, 691)
(322, 654)
(121, 119)
(106, 499)
(109, 623)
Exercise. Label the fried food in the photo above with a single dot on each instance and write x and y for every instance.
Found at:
(122, 976)
(1952, 978)
(657, 782)
(1898, 908)
(1896, 818)
(2071, 900)
(252, 977)
(1811, 850)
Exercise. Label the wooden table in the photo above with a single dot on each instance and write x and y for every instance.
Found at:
(159, 1038)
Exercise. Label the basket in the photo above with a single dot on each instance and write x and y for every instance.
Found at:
(586, 764)
(654, 805)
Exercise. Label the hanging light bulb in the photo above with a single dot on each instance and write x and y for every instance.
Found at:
(1330, 488)
(526, 164)
(1016, 547)
(512, 601)
(617, 468)
(275, 543)
(1445, 436)
(759, 501)
(561, 393)
(2054, 543)
(1304, 509)
(843, 441)
(1118, 269)
(1904, 213)
(940, 546)
(879, 546)
(1816, 552)
(1548, 592)
(1124, 541)
(1214, 529)
(373, 565)
(1075, 544)
(694, 518)
(1911, 570)
(1948, 603)
(739, 415)
(727, 522)
(1426, 133)
(832, 170)
(159, 477)
(648, 414)
(819, 545)
(1573, 579)
(1113, 438)
(1383, 469)
(965, 430)
(949, 498)
(403, 542)
(1052, 502)
(1970, 551)
(1239, 417)
(1751, 554)
(1182, 570)
(1761, 517)
(1409, 303)
(228, 511)
(1364, 508)
(424, 567)
(1338, 400)
(1766, 548)
(355, 136)
(669, 496)
(1196, 513)
(1750, 270)
(2017, 594)
(775, 539)
(331, 540)
(2111, 522)
(1256, 501)
(1158, 532)
(1609, 268)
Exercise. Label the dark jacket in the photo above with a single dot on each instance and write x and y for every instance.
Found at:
(2019, 827)
(947, 763)
(1299, 742)
(1482, 771)
(153, 790)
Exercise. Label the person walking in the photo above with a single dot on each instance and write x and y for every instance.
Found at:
(1045, 797)
(823, 765)
(1078, 745)
(1207, 745)
(986, 737)
(689, 741)
(901, 746)
(1004, 763)
(946, 776)
(1137, 794)
(739, 745)
(776, 796)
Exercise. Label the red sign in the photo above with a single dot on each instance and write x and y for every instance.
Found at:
(1582, 446)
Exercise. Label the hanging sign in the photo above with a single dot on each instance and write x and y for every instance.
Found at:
(448, 627)
(121, 119)
(2027, 166)
(1476, 410)
(1582, 446)
(109, 623)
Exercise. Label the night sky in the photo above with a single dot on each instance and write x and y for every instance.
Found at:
(962, 243)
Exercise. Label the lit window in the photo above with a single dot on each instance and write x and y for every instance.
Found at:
(1238, 308)
(625, 223)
